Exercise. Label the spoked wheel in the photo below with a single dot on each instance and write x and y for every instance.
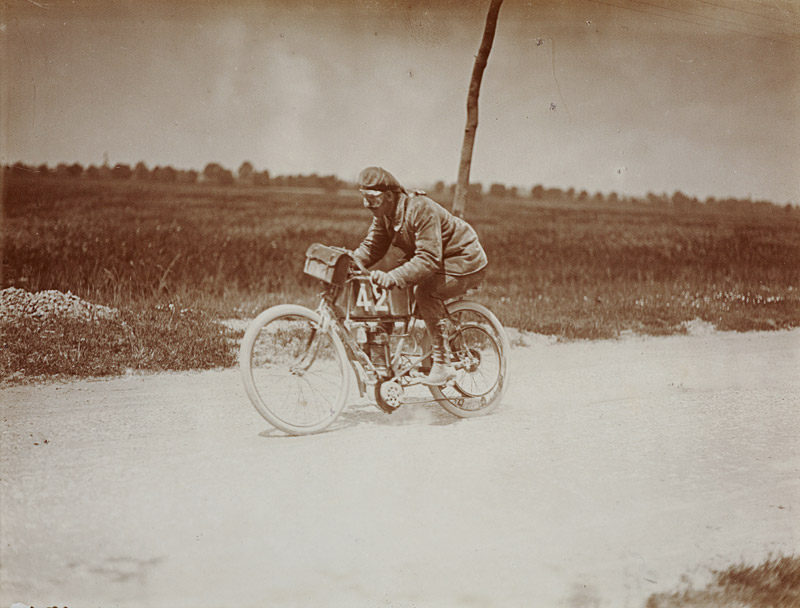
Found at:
(480, 348)
(295, 374)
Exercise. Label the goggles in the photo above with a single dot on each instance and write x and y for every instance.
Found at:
(373, 198)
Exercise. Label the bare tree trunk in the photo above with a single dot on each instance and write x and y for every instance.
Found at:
(462, 185)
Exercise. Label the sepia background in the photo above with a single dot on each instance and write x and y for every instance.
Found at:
(618, 95)
(167, 164)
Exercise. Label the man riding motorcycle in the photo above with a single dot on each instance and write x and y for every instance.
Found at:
(443, 256)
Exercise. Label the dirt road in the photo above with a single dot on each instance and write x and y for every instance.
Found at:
(611, 470)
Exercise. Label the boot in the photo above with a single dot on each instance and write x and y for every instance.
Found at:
(442, 371)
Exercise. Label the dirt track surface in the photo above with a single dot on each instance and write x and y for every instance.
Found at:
(611, 470)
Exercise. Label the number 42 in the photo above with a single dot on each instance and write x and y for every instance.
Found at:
(378, 302)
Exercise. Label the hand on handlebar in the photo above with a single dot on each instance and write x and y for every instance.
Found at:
(377, 277)
(382, 279)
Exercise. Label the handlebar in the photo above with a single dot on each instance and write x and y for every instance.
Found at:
(351, 254)
(360, 266)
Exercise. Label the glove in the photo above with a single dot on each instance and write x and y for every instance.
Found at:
(382, 279)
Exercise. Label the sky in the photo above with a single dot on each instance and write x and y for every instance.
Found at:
(603, 95)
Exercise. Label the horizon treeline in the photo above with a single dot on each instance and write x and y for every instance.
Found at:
(217, 175)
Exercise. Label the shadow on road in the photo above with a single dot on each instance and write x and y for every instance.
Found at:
(419, 412)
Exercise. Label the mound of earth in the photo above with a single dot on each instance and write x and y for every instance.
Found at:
(16, 303)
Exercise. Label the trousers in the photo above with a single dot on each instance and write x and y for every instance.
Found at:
(432, 292)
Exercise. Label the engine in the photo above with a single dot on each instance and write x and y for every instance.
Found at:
(377, 347)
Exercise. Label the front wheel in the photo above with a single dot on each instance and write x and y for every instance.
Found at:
(480, 347)
(295, 374)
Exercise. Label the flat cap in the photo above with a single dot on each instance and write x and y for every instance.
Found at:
(378, 178)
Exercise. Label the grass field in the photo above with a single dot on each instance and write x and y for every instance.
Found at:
(774, 583)
(566, 270)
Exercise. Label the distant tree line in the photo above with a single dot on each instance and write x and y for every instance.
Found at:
(539, 193)
(217, 175)
(213, 173)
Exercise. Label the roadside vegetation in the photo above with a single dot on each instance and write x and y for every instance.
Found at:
(575, 269)
(775, 583)
(152, 339)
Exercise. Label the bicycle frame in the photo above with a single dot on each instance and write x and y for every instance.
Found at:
(379, 306)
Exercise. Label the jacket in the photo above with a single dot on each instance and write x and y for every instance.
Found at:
(432, 239)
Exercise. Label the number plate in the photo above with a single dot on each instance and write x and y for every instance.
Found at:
(368, 301)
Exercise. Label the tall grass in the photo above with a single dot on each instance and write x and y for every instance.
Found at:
(595, 273)
(152, 339)
(774, 583)
(120, 243)
(574, 272)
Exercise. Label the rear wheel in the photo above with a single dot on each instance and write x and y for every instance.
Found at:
(480, 348)
(295, 374)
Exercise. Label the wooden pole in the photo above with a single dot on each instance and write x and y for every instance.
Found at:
(462, 185)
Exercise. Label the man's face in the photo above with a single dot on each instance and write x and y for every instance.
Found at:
(376, 201)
